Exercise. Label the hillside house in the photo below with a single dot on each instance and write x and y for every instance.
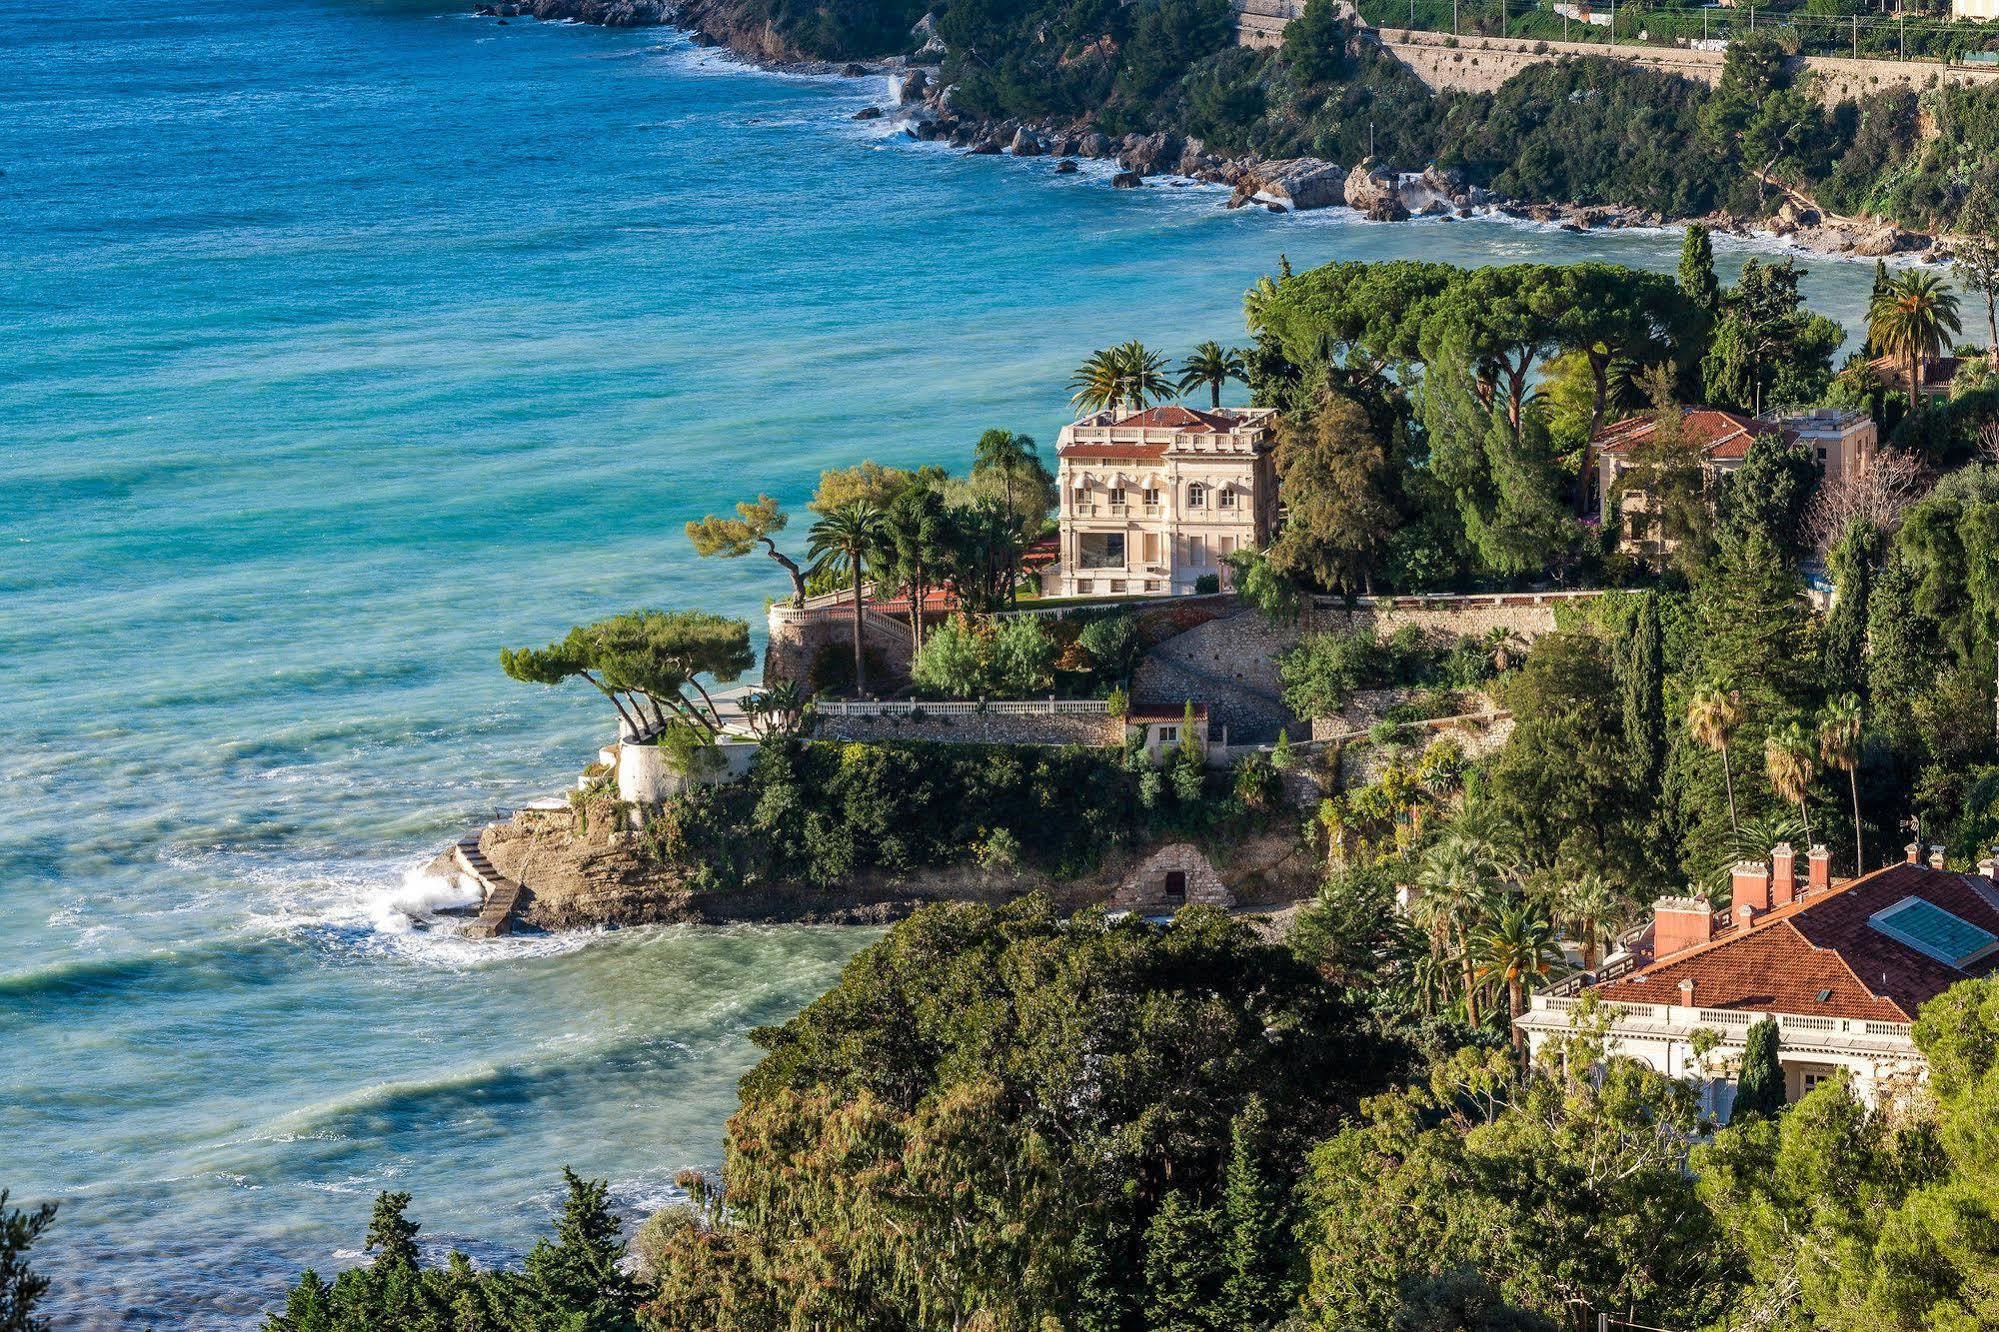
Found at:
(1154, 500)
(1842, 967)
(1840, 441)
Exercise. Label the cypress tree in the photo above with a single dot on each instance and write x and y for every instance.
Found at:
(1760, 1089)
(1182, 1267)
(1641, 675)
(1843, 645)
(578, 1273)
(1253, 1230)
(308, 1307)
(1697, 280)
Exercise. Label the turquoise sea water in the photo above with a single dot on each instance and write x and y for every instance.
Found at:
(341, 342)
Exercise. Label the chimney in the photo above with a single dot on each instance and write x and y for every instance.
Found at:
(1745, 916)
(1936, 857)
(1680, 923)
(1749, 888)
(1783, 874)
(1915, 850)
(1985, 869)
(1818, 869)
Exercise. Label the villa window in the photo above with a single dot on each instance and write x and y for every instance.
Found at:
(1117, 496)
(1081, 496)
(1197, 496)
(1169, 735)
(1100, 550)
(1151, 498)
(1225, 498)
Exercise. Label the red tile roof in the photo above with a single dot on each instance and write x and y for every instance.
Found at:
(1823, 942)
(1176, 417)
(1936, 377)
(1721, 435)
(1114, 451)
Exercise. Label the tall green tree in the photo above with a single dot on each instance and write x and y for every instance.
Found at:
(1014, 459)
(1759, 1088)
(1518, 947)
(1502, 479)
(1841, 726)
(1212, 366)
(1697, 281)
(1976, 259)
(1335, 476)
(1641, 679)
(1769, 494)
(1769, 351)
(1563, 778)
(575, 1281)
(843, 541)
(1255, 1234)
(1712, 719)
(1913, 319)
(1843, 644)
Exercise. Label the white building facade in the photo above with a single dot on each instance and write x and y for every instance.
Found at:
(1153, 501)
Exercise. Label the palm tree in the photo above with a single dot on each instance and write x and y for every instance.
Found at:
(1457, 886)
(1790, 757)
(1518, 943)
(1840, 727)
(1015, 459)
(1712, 719)
(1752, 841)
(1589, 904)
(1911, 317)
(1213, 365)
(1126, 373)
(842, 542)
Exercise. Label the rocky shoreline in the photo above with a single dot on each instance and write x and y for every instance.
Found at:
(586, 876)
(921, 105)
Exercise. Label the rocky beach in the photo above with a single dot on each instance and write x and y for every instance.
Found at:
(921, 104)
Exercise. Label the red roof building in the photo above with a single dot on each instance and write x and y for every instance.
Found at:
(1840, 441)
(1842, 967)
(1154, 501)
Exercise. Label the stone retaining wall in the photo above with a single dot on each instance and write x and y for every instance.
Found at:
(1482, 64)
(986, 729)
(1452, 617)
(796, 637)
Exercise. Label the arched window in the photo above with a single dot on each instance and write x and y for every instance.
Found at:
(1197, 496)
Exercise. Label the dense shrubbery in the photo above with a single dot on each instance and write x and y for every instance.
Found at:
(1325, 670)
(827, 812)
(1008, 1120)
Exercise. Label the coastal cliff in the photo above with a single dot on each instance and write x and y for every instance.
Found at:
(583, 873)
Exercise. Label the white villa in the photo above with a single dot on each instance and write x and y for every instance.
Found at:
(1842, 968)
(1153, 500)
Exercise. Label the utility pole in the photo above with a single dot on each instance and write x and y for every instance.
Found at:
(1856, 36)
(1454, 18)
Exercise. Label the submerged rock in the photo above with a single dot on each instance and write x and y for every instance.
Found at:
(1127, 180)
(1065, 167)
(868, 113)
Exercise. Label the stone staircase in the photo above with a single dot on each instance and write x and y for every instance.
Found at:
(503, 897)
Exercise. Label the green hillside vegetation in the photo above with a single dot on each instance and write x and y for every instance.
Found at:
(1588, 130)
